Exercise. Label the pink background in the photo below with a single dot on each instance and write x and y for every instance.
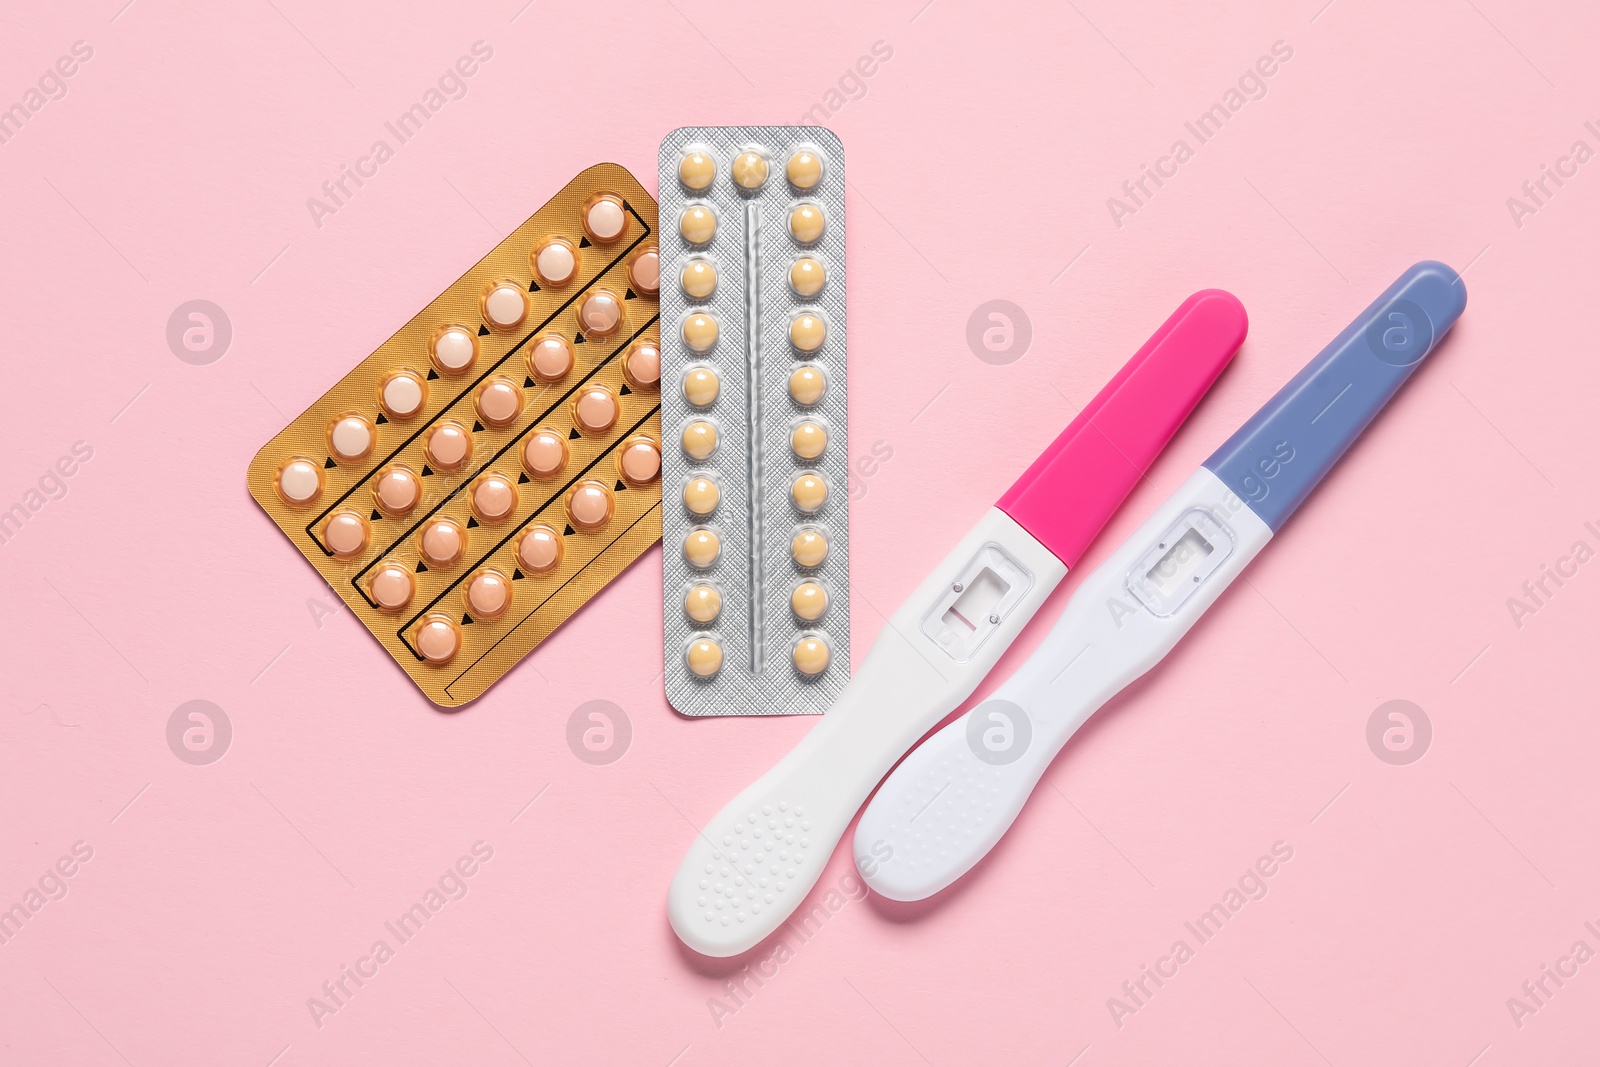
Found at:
(219, 898)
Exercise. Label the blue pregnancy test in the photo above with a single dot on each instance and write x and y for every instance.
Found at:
(953, 797)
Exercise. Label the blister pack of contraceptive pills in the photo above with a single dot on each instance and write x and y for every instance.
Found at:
(473, 482)
(755, 516)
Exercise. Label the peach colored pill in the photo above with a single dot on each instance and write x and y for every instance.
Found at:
(454, 349)
(402, 394)
(488, 594)
(505, 306)
(590, 505)
(596, 409)
(806, 385)
(700, 386)
(700, 496)
(600, 313)
(699, 279)
(398, 490)
(703, 604)
(702, 547)
(641, 461)
(539, 550)
(300, 481)
(644, 273)
(809, 491)
(437, 638)
(699, 439)
(806, 332)
(806, 276)
(604, 218)
(804, 170)
(809, 600)
(392, 587)
(641, 365)
(811, 655)
(808, 440)
(449, 445)
(555, 261)
(443, 542)
(696, 170)
(345, 533)
(749, 170)
(351, 438)
(551, 358)
(698, 224)
(494, 497)
(809, 548)
(705, 657)
(545, 454)
(806, 223)
(500, 401)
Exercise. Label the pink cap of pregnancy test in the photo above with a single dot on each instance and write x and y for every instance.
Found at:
(1070, 491)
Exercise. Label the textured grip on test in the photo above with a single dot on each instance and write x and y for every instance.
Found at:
(1274, 461)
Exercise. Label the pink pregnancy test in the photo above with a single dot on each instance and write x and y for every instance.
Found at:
(756, 860)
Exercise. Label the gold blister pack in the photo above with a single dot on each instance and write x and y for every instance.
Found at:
(472, 483)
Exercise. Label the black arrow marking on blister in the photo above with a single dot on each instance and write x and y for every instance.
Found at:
(422, 568)
(529, 383)
(477, 427)
(624, 391)
(573, 434)
(629, 295)
(381, 419)
(577, 338)
(522, 479)
(583, 242)
(329, 463)
(533, 286)
(433, 375)
(517, 573)
(569, 530)
(472, 524)
(426, 470)
(483, 331)
(466, 620)
(621, 485)
(377, 516)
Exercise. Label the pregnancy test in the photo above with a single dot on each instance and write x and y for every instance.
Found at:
(952, 799)
(754, 863)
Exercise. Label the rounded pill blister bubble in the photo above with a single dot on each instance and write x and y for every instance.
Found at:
(555, 261)
(697, 170)
(806, 384)
(809, 600)
(443, 542)
(600, 313)
(699, 439)
(807, 276)
(644, 271)
(453, 349)
(550, 358)
(346, 533)
(703, 604)
(392, 586)
(500, 401)
(595, 409)
(438, 638)
(640, 461)
(811, 655)
(544, 454)
(488, 594)
(604, 219)
(702, 547)
(505, 305)
(351, 437)
(494, 497)
(808, 440)
(809, 548)
(397, 490)
(809, 491)
(402, 394)
(700, 332)
(806, 223)
(590, 504)
(704, 657)
(804, 169)
(699, 279)
(701, 495)
(700, 386)
(448, 445)
(807, 332)
(299, 481)
(698, 224)
(641, 365)
(539, 550)
(749, 170)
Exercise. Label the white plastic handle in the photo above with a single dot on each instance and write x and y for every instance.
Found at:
(953, 798)
(756, 860)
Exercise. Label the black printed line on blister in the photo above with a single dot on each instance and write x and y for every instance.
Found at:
(355, 580)
(554, 498)
(311, 526)
(469, 668)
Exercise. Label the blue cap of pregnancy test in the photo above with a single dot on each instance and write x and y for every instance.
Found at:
(1276, 458)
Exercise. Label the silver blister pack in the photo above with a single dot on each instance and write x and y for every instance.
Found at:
(755, 502)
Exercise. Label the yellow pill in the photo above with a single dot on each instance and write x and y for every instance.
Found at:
(699, 439)
(702, 547)
(698, 225)
(808, 440)
(749, 170)
(699, 279)
(700, 387)
(705, 657)
(806, 276)
(696, 170)
(806, 385)
(807, 331)
(703, 604)
(810, 655)
(701, 495)
(805, 169)
(809, 548)
(809, 491)
(700, 332)
(805, 223)
(809, 600)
